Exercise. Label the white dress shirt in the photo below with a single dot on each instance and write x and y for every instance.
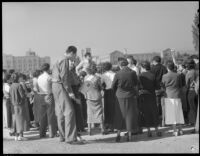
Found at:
(107, 78)
(44, 83)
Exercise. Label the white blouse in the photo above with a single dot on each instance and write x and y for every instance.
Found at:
(108, 78)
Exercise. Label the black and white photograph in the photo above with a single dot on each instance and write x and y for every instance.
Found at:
(100, 77)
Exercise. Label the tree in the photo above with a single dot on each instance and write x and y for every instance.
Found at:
(195, 31)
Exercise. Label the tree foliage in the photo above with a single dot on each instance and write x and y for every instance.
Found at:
(195, 31)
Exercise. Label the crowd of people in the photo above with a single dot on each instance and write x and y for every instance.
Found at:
(75, 95)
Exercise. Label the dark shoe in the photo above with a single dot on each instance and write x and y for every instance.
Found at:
(62, 139)
(42, 136)
(118, 138)
(104, 132)
(75, 142)
(11, 133)
(193, 131)
(149, 134)
(89, 133)
(180, 132)
(159, 134)
(128, 139)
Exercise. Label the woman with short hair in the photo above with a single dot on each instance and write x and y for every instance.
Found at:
(147, 98)
(173, 106)
(92, 92)
(124, 86)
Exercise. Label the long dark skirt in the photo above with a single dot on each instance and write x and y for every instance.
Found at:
(192, 106)
(78, 108)
(149, 110)
(18, 118)
(79, 116)
(129, 114)
(109, 104)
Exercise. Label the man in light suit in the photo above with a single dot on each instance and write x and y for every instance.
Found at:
(63, 94)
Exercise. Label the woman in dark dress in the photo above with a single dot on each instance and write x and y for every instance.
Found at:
(17, 96)
(124, 86)
(109, 97)
(147, 98)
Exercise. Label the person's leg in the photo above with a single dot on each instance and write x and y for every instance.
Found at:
(180, 131)
(51, 117)
(175, 133)
(129, 136)
(192, 111)
(70, 126)
(149, 132)
(61, 126)
(89, 129)
(43, 121)
(158, 133)
(118, 138)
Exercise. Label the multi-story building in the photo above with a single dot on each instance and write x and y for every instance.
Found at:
(114, 56)
(24, 64)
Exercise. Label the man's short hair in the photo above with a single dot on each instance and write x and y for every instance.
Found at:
(194, 57)
(36, 73)
(23, 76)
(45, 67)
(106, 66)
(146, 65)
(14, 77)
(88, 54)
(157, 59)
(170, 65)
(190, 64)
(134, 61)
(123, 62)
(71, 49)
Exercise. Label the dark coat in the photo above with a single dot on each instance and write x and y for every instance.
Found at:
(159, 70)
(173, 84)
(124, 83)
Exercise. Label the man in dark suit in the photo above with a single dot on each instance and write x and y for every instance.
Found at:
(158, 70)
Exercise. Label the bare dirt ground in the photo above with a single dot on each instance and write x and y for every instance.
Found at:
(188, 143)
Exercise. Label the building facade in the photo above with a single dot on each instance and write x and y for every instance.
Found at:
(25, 64)
(114, 56)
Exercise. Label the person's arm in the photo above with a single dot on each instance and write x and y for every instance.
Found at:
(79, 66)
(114, 83)
(64, 75)
(21, 93)
(173, 57)
(187, 80)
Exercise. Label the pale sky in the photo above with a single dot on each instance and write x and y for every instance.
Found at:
(48, 28)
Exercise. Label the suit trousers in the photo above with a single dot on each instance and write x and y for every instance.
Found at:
(48, 118)
(65, 113)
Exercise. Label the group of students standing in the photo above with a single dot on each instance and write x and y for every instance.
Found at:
(128, 98)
